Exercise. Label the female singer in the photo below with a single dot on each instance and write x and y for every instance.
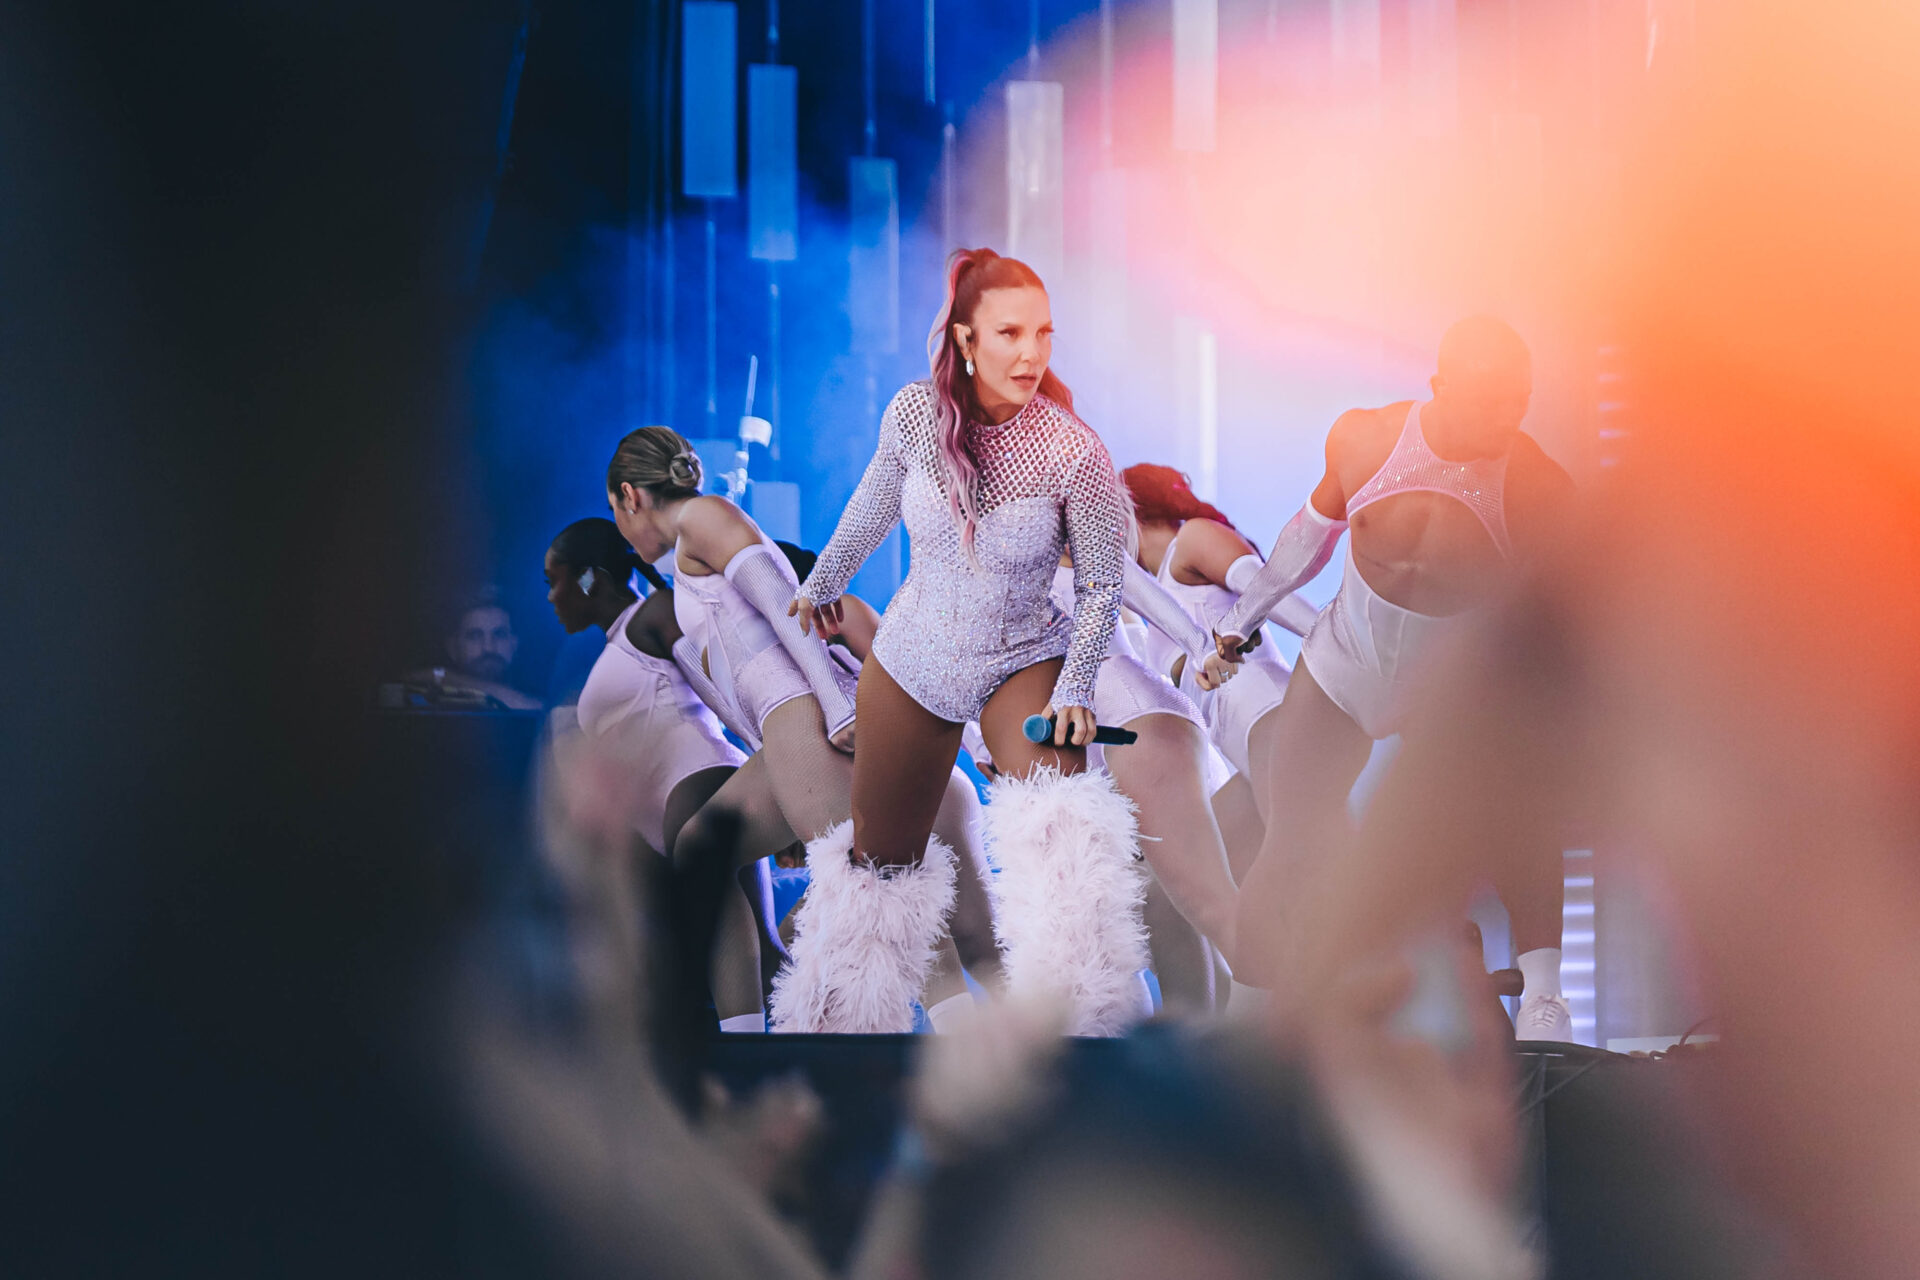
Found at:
(995, 477)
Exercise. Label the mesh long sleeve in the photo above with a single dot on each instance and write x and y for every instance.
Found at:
(755, 575)
(1095, 515)
(1302, 550)
(1145, 596)
(870, 515)
(1293, 613)
(686, 656)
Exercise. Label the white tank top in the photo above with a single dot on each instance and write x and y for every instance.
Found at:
(1206, 604)
(638, 695)
(1413, 467)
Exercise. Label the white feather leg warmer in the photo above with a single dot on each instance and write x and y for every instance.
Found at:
(863, 940)
(1068, 895)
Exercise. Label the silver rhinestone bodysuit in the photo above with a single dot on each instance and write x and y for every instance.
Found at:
(957, 629)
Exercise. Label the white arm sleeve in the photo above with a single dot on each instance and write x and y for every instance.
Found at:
(1293, 612)
(1142, 593)
(1302, 550)
(686, 656)
(755, 575)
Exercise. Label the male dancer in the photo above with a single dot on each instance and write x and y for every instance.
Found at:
(1443, 497)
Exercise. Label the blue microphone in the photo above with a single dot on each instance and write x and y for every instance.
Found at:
(1039, 729)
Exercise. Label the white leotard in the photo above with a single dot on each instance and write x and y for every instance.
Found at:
(744, 656)
(1256, 689)
(1366, 652)
(637, 708)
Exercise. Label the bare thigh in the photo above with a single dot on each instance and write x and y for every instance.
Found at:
(1305, 756)
(1237, 812)
(1025, 693)
(900, 770)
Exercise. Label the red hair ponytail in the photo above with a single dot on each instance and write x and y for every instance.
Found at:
(1162, 495)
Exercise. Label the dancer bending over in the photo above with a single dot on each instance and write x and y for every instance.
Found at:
(995, 476)
(641, 715)
(1201, 561)
(1443, 497)
(778, 688)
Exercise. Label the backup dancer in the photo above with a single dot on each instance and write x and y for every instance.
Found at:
(640, 713)
(1443, 497)
(995, 477)
(781, 692)
(1200, 561)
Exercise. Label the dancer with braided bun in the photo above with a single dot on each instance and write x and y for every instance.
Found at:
(780, 691)
(994, 477)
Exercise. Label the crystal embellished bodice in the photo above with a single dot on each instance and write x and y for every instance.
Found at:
(1413, 467)
(960, 624)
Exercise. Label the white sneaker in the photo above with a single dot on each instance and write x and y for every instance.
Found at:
(1544, 1018)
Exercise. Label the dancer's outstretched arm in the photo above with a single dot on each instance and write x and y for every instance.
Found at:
(1301, 551)
(871, 513)
(1143, 594)
(1293, 613)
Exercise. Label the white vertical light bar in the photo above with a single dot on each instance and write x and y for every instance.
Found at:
(873, 281)
(1036, 196)
(1433, 68)
(949, 174)
(1579, 946)
(1356, 38)
(927, 85)
(1106, 79)
(1196, 73)
(1107, 245)
(1197, 384)
(773, 184)
(709, 163)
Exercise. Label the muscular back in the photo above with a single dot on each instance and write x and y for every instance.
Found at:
(1426, 551)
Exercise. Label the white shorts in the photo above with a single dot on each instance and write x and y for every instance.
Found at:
(1236, 706)
(1368, 653)
(650, 759)
(771, 679)
(1127, 689)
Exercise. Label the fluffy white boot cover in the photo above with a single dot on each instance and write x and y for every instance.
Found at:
(1068, 894)
(863, 940)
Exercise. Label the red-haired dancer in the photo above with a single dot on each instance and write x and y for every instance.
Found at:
(1200, 560)
(1443, 497)
(995, 477)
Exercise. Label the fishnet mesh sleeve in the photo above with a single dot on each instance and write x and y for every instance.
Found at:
(1145, 596)
(870, 515)
(1096, 523)
(1301, 551)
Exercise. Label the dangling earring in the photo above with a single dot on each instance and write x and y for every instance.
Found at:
(969, 366)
